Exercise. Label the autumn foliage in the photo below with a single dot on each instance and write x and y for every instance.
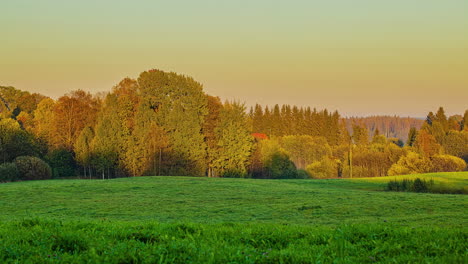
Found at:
(165, 124)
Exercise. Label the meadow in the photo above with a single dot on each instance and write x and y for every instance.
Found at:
(213, 220)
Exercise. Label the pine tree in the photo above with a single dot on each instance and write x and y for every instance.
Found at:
(360, 135)
(430, 118)
(464, 125)
(412, 137)
(442, 119)
(276, 121)
(258, 120)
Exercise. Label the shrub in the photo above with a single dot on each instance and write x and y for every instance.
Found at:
(411, 163)
(233, 173)
(302, 174)
(419, 185)
(326, 168)
(447, 163)
(32, 168)
(279, 166)
(8, 172)
(422, 186)
(399, 186)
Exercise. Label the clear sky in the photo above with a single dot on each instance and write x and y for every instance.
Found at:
(360, 57)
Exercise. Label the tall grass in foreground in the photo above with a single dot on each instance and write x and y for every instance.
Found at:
(47, 241)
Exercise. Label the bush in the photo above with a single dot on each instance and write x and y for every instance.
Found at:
(32, 168)
(422, 186)
(233, 173)
(326, 168)
(279, 166)
(302, 174)
(411, 163)
(8, 172)
(447, 163)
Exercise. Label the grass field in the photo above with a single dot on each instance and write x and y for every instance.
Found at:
(202, 220)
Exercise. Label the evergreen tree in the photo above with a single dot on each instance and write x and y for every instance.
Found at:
(442, 119)
(464, 125)
(412, 136)
(267, 122)
(276, 121)
(258, 120)
(430, 118)
(360, 135)
(288, 127)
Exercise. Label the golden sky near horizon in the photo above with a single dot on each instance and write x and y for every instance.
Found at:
(359, 57)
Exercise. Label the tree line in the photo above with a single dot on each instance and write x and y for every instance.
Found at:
(162, 123)
(389, 126)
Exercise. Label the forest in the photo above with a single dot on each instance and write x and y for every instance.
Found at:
(163, 123)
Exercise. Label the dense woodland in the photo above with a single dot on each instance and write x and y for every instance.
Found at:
(164, 124)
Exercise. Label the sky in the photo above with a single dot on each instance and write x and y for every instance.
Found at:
(360, 57)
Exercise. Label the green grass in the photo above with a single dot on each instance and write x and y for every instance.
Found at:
(40, 241)
(306, 221)
(450, 179)
(205, 200)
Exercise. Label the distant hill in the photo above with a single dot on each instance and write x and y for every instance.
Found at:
(390, 126)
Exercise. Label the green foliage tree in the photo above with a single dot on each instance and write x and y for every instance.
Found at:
(43, 120)
(234, 140)
(14, 141)
(210, 124)
(14, 101)
(62, 163)
(108, 140)
(304, 149)
(83, 150)
(178, 104)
